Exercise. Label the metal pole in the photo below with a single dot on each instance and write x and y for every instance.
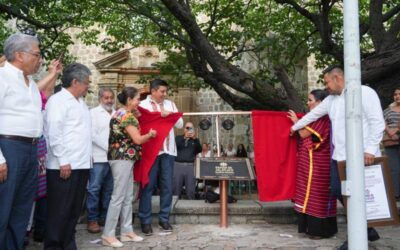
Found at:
(223, 205)
(356, 211)
(217, 135)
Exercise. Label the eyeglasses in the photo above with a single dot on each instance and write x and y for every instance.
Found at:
(188, 128)
(38, 54)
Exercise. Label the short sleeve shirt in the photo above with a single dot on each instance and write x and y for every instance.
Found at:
(121, 146)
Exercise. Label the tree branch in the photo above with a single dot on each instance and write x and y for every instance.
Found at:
(395, 28)
(32, 21)
(364, 27)
(377, 30)
(294, 98)
(300, 43)
(213, 17)
(241, 49)
(391, 13)
(298, 8)
(322, 24)
(163, 25)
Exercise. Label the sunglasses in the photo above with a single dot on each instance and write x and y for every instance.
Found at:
(189, 128)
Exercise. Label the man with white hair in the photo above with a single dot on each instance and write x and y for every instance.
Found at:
(21, 126)
(68, 132)
(100, 178)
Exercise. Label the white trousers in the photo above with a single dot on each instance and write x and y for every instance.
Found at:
(121, 198)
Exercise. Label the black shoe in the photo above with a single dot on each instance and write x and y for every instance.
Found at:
(165, 226)
(38, 237)
(344, 246)
(373, 234)
(146, 229)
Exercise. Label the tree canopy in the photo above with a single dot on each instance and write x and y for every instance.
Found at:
(206, 40)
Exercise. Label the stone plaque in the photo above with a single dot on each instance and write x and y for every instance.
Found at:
(224, 168)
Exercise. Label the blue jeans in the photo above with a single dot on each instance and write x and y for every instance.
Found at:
(99, 191)
(18, 192)
(162, 172)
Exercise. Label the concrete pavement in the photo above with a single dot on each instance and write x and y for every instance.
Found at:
(260, 235)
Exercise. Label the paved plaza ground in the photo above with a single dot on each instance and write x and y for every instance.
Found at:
(240, 236)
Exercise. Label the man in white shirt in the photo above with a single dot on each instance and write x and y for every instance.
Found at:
(100, 177)
(161, 172)
(334, 106)
(68, 132)
(21, 124)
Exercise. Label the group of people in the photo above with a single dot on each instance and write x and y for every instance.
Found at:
(188, 149)
(57, 148)
(323, 144)
(240, 151)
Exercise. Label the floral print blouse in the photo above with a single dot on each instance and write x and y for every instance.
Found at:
(121, 146)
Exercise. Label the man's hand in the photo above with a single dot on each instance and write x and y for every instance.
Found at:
(368, 159)
(55, 67)
(192, 135)
(292, 132)
(3, 172)
(65, 171)
(165, 113)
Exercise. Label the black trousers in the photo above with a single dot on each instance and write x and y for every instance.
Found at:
(64, 200)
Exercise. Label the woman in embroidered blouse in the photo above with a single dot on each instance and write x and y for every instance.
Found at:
(124, 149)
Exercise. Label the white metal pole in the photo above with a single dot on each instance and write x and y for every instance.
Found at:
(217, 134)
(356, 211)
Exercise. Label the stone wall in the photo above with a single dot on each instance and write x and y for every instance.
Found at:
(141, 57)
(313, 75)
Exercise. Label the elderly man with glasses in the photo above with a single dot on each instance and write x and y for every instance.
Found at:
(68, 129)
(21, 126)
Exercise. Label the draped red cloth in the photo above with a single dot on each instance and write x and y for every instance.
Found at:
(274, 155)
(150, 149)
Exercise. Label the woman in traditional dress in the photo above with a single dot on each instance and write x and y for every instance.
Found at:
(315, 205)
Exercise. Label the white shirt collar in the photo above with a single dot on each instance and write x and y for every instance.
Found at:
(102, 109)
(11, 67)
(151, 100)
(16, 70)
(68, 94)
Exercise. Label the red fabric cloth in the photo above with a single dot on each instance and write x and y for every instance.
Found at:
(150, 149)
(274, 155)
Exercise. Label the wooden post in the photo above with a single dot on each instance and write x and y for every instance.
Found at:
(223, 203)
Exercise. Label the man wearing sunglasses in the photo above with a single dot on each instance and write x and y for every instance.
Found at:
(188, 146)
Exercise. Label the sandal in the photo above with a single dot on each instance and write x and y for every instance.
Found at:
(131, 237)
